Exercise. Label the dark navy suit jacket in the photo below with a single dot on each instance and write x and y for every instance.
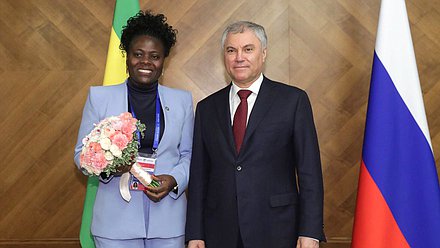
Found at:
(272, 191)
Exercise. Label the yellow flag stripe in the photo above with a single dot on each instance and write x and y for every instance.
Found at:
(115, 68)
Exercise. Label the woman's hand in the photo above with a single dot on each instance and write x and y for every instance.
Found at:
(122, 169)
(167, 183)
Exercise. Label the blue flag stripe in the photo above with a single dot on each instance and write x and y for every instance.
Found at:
(400, 160)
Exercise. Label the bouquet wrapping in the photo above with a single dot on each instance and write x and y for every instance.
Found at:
(112, 145)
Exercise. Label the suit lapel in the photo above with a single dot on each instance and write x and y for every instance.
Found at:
(165, 109)
(224, 116)
(262, 104)
(118, 102)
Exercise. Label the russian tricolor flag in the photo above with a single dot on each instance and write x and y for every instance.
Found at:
(398, 203)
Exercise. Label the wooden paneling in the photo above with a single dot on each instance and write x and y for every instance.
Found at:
(51, 51)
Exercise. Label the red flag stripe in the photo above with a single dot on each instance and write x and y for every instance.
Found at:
(374, 224)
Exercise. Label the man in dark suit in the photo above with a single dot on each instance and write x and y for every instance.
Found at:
(255, 175)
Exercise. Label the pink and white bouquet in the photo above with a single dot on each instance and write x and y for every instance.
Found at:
(111, 144)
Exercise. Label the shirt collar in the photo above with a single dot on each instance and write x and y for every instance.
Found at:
(255, 86)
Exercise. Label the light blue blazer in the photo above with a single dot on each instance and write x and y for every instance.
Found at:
(112, 216)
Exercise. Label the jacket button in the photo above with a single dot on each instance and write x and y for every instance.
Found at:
(238, 168)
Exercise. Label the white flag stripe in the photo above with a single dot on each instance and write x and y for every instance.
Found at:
(395, 50)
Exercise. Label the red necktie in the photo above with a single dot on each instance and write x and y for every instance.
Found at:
(240, 117)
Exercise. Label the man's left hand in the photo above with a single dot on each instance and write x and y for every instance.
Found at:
(167, 183)
(304, 242)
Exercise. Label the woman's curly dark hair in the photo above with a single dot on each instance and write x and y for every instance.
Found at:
(147, 23)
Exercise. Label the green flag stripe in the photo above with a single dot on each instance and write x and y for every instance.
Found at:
(85, 235)
(123, 11)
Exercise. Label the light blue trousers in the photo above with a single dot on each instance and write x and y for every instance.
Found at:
(178, 242)
(175, 242)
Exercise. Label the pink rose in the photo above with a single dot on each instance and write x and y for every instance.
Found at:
(128, 127)
(126, 116)
(129, 137)
(117, 124)
(84, 158)
(120, 140)
(95, 147)
(99, 161)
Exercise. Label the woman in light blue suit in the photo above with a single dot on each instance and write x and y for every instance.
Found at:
(154, 217)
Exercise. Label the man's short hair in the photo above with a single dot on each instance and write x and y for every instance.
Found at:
(241, 26)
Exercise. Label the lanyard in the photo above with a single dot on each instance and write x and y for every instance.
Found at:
(156, 126)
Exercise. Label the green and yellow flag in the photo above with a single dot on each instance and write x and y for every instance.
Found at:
(115, 72)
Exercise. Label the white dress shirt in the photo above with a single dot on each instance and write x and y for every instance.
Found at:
(234, 99)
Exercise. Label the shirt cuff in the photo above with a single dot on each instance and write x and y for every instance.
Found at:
(317, 240)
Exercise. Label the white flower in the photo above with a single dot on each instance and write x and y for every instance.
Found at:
(94, 137)
(114, 149)
(105, 143)
(85, 140)
(108, 156)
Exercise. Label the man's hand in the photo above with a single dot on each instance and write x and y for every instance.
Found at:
(167, 183)
(196, 244)
(304, 242)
